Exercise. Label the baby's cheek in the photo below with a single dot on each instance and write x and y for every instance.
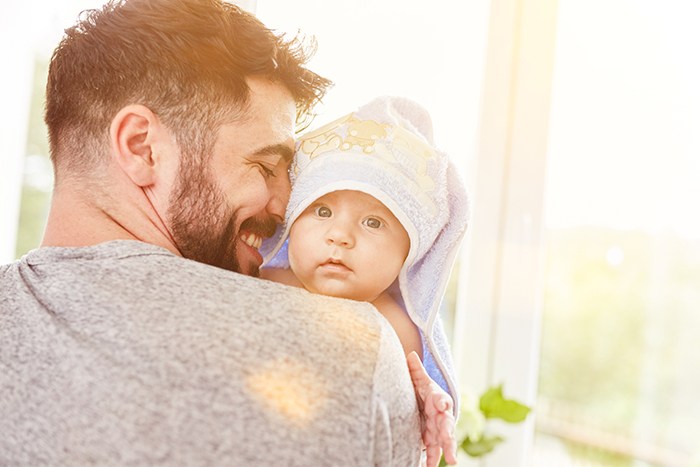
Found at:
(299, 266)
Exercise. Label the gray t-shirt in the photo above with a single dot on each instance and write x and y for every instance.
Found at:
(123, 353)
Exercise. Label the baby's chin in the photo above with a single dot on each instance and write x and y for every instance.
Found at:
(334, 290)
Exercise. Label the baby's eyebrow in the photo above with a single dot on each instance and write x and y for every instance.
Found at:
(283, 150)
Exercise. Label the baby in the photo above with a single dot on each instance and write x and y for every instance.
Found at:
(377, 214)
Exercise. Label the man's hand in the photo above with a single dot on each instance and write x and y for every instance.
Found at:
(437, 421)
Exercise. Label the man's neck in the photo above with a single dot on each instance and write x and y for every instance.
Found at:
(77, 218)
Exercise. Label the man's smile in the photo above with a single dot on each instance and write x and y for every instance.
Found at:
(251, 239)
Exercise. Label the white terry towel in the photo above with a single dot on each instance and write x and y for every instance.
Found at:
(386, 150)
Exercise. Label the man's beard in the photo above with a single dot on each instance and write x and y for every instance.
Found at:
(202, 225)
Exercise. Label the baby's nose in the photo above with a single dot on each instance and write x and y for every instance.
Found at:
(337, 235)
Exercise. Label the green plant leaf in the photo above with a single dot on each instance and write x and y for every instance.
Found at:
(494, 405)
(483, 446)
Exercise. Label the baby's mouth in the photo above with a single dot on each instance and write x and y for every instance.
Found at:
(335, 265)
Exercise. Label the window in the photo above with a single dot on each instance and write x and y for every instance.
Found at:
(26, 181)
(619, 357)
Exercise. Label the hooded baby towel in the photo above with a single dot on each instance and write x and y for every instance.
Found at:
(386, 150)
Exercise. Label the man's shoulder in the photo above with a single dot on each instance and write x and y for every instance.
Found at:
(197, 286)
(224, 347)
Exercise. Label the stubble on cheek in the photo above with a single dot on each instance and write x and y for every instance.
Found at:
(203, 227)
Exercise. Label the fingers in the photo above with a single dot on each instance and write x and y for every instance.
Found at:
(438, 434)
(451, 456)
(436, 414)
(419, 376)
(441, 401)
(431, 394)
(447, 439)
(433, 454)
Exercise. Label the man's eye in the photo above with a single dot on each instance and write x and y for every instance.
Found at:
(372, 222)
(266, 171)
(323, 211)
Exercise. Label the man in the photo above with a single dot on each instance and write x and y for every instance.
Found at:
(130, 336)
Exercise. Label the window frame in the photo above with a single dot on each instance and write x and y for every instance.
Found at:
(15, 94)
(497, 326)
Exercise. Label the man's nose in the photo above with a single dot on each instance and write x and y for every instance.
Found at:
(280, 187)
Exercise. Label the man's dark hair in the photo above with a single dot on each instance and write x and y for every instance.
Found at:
(186, 60)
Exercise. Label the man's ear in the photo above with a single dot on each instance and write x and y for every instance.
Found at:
(132, 133)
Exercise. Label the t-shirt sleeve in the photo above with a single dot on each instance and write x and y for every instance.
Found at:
(396, 421)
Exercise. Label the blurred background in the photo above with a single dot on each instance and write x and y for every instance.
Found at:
(576, 126)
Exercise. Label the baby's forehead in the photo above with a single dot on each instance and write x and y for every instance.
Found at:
(355, 197)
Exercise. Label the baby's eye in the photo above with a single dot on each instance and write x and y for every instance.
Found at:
(323, 211)
(372, 222)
